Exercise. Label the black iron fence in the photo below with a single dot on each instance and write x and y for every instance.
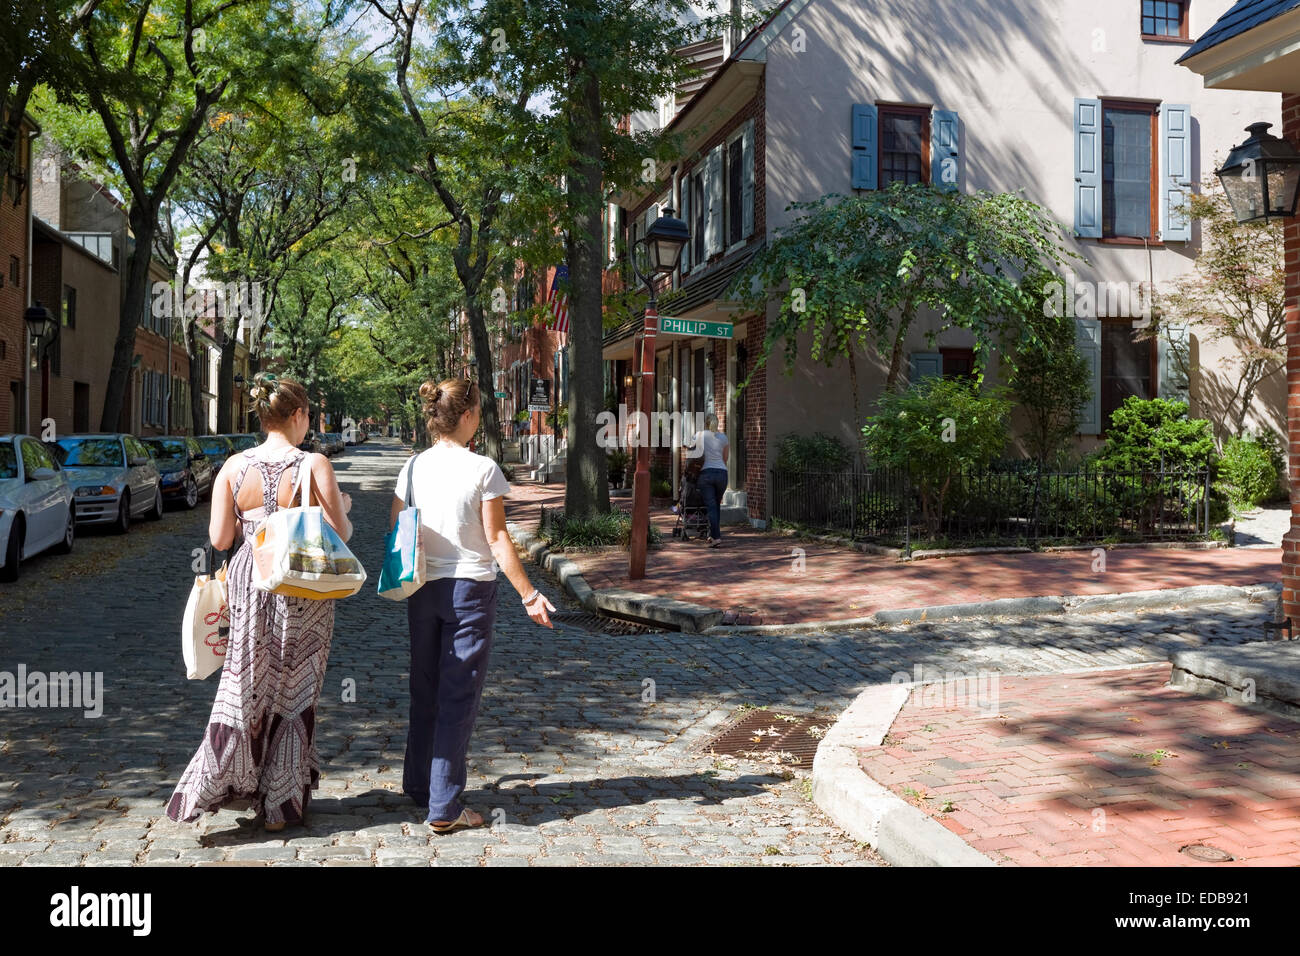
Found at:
(1021, 504)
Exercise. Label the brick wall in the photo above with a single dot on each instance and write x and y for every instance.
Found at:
(1291, 543)
(13, 298)
(755, 398)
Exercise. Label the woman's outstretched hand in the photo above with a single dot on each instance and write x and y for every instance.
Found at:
(537, 610)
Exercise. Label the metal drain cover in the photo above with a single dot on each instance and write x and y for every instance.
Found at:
(1206, 854)
(601, 624)
(771, 736)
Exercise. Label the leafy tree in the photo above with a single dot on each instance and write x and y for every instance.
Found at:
(1236, 292)
(857, 271)
(936, 429)
(1155, 434)
(1051, 379)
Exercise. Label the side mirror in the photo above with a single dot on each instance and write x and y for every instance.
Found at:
(42, 474)
(138, 460)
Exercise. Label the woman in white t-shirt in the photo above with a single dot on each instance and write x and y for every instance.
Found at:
(462, 511)
(714, 446)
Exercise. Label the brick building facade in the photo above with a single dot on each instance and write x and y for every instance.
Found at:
(15, 207)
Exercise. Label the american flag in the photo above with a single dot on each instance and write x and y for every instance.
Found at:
(558, 301)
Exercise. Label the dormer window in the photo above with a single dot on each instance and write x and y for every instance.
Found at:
(1164, 19)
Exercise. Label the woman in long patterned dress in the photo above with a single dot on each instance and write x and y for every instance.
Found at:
(259, 749)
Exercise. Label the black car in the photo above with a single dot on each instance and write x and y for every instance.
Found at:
(186, 471)
(311, 442)
(217, 448)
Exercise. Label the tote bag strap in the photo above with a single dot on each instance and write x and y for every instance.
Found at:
(303, 480)
(410, 482)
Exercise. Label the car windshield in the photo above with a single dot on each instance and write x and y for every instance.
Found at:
(8, 462)
(213, 446)
(92, 452)
(168, 447)
(244, 442)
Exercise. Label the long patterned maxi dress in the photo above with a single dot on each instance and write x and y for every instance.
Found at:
(259, 750)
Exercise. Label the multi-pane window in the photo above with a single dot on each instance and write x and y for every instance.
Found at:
(1127, 367)
(1164, 18)
(904, 146)
(69, 307)
(958, 363)
(700, 215)
(1128, 158)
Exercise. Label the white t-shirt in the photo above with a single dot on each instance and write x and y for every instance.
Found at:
(451, 483)
(712, 443)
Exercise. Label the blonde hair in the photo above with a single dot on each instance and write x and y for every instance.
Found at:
(446, 402)
(711, 422)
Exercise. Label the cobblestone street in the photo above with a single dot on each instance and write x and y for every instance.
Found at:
(573, 758)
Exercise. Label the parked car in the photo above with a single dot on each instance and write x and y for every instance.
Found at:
(217, 448)
(243, 441)
(311, 442)
(114, 479)
(186, 471)
(334, 441)
(35, 503)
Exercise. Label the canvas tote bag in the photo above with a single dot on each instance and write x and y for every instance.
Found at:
(404, 569)
(297, 554)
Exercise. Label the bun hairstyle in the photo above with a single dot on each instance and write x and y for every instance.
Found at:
(275, 399)
(446, 402)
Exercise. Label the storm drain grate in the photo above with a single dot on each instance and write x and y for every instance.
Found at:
(602, 624)
(771, 736)
(1206, 853)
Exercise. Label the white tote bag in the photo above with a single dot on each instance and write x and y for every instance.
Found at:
(298, 554)
(205, 631)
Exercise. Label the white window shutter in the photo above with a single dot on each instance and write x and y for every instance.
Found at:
(945, 154)
(747, 189)
(713, 235)
(1089, 339)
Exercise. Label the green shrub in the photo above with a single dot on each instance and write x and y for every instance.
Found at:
(1155, 434)
(1247, 475)
(617, 460)
(815, 452)
(936, 429)
(602, 531)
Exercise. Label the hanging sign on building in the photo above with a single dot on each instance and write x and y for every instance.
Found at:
(539, 395)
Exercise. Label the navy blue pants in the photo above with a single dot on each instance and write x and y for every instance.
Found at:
(451, 622)
(713, 485)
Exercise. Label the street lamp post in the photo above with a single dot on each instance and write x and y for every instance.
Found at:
(662, 246)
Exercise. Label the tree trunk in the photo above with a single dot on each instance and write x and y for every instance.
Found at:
(225, 381)
(198, 423)
(586, 488)
(486, 387)
(144, 224)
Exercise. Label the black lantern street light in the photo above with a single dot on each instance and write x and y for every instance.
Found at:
(1262, 176)
(42, 328)
(661, 247)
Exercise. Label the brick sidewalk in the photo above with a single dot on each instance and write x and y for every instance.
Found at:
(1069, 771)
(755, 572)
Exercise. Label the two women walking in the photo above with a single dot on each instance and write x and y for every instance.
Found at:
(259, 749)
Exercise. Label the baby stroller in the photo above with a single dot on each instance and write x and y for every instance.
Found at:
(692, 515)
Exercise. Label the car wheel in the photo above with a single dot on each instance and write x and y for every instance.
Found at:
(13, 551)
(69, 534)
(191, 494)
(156, 512)
(123, 523)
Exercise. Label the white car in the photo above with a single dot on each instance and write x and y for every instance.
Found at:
(35, 503)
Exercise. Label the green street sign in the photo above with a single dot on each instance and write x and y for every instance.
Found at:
(502, 395)
(711, 330)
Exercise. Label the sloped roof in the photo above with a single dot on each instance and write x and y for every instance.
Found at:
(1244, 15)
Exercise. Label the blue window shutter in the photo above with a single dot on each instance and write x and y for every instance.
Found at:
(1175, 171)
(1174, 354)
(945, 157)
(747, 183)
(1089, 338)
(685, 212)
(865, 126)
(926, 365)
(1087, 169)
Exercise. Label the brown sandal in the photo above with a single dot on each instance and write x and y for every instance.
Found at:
(462, 822)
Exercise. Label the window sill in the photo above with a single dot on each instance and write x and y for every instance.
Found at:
(1128, 241)
(1156, 38)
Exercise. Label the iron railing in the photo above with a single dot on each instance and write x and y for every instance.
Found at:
(995, 505)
